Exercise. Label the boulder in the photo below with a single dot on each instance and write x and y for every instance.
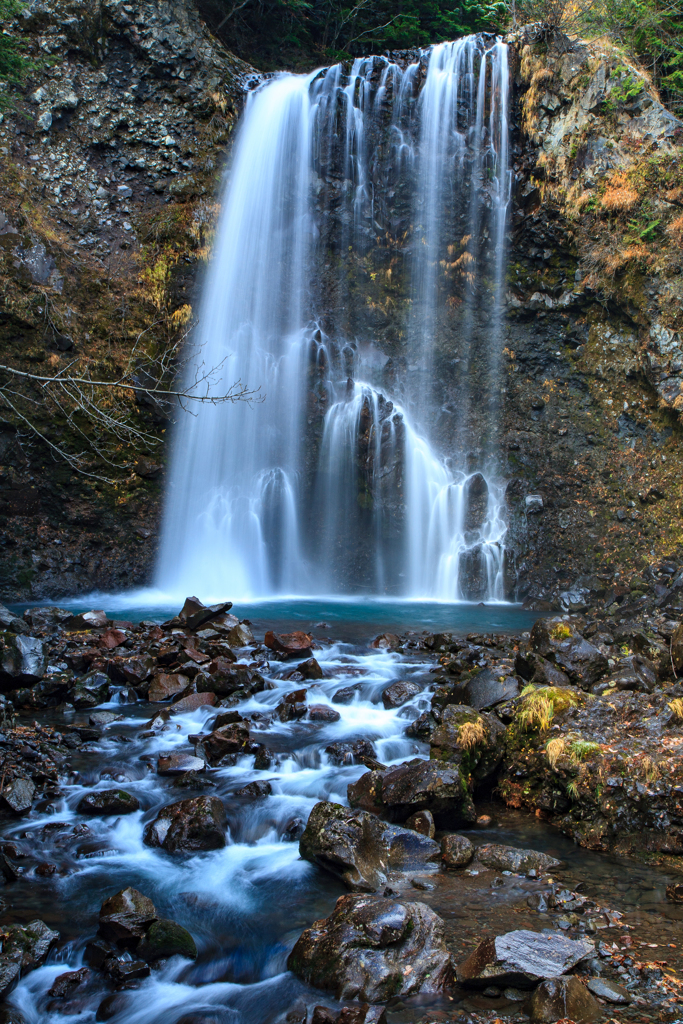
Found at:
(486, 689)
(472, 740)
(66, 984)
(133, 670)
(18, 795)
(522, 959)
(322, 713)
(102, 718)
(563, 999)
(397, 792)
(633, 673)
(165, 685)
(90, 690)
(289, 712)
(509, 858)
(350, 751)
(178, 764)
(289, 644)
(194, 614)
(608, 990)
(188, 826)
(23, 660)
(24, 947)
(12, 622)
(360, 848)
(374, 949)
(386, 642)
(399, 693)
(86, 620)
(164, 939)
(558, 641)
(45, 619)
(108, 801)
(254, 790)
(239, 635)
(225, 742)
(456, 851)
(311, 669)
(346, 695)
(536, 669)
(125, 917)
(422, 822)
(192, 702)
(228, 678)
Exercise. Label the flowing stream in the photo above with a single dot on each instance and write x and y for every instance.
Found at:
(356, 474)
(246, 904)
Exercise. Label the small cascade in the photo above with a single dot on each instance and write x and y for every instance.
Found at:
(357, 279)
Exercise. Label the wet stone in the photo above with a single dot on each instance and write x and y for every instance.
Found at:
(509, 858)
(192, 702)
(399, 693)
(179, 764)
(423, 822)
(125, 916)
(350, 752)
(108, 801)
(346, 695)
(254, 791)
(608, 990)
(563, 998)
(164, 939)
(456, 851)
(166, 685)
(322, 713)
(66, 984)
(18, 795)
(521, 959)
(189, 826)
(100, 718)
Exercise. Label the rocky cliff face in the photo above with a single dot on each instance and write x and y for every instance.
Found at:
(109, 170)
(593, 320)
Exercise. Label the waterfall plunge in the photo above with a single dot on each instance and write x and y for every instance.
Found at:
(346, 479)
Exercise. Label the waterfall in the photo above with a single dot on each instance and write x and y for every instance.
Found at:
(357, 279)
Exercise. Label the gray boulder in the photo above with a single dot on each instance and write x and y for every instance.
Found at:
(522, 959)
(509, 858)
(558, 641)
(360, 848)
(397, 792)
(456, 851)
(23, 660)
(24, 948)
(19, 794)
(189, 826)
(486, 689)
(374, 949)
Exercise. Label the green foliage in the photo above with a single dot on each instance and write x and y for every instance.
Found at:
(303, 33)
(13, 64)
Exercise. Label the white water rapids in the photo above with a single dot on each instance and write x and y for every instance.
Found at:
(337, 481)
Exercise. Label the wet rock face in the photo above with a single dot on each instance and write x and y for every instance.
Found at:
(24, 948)
(563, 998)
(397, 792)
(125, 916)
(560, 642)
(23, 660)
(509, 858)
(189, 826)
(474, 741)
(362, 949)
(360, 848)
(110, 801)
(521, 959)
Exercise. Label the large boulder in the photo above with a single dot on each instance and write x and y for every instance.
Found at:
(522, 959)
(164, 939)
(90, 690)
(229, 678)
(18, 795)
(486, 689)
(510, 858)
(296, 644)
(563, 999)
(188, 826)
(23, 660)
(165, 685)
(125, 917)
(558, 641)
(360, 848)
(226, 741)
(472, 740)
(374, 949)
(24, 947)
(399, 693)
(108, 801)
(397, 792)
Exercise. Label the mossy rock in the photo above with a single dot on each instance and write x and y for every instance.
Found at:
(165, 939)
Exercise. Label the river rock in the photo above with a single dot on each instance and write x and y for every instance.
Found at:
(486, 689)
(125, 917)
(608, 990)
(192, 702)
(24, 948)
(18, 795)
(360, 848)
(350, 751)
(188, 826)
(536, 669)
(133, 670)
(397, 792)
(364, 948)
(11, 622)
(399, 693)
(239, 635)
(563, 999)
(557, 640)
(633, 673)
(521, 959)
(386, 642)
(178, 764)
(90, 690)
(228, 679)
(322, 713)
(422, 822)
(456, 851)
(255, 790)
(46, 619)
(23, 660)
(101, 718)
(67, 983)
(86, 620)
(108, 801)
(164, 939)
(346, 695)
(470, 739)
(226, 741)
(165, 685)
(195, 614)
(289, 644)
(310, 669)
(509, 858)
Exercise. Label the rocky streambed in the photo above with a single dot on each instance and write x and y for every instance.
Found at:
(206, 821)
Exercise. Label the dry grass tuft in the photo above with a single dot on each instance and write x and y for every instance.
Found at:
(675, 229)
(676, 706)
(471, 734)
(555, 749)
(619, 198)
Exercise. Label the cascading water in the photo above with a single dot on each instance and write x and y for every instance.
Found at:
(357, 279)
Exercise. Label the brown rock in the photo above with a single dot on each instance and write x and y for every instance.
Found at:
(125, 916)
(386, 642)
(456, 851)
(189, 826)
(178, 764)
(322, 713)
(229, 739)
(399, 693)
(422, 822)
(311, 669)
(192, 702)
(166, 685)
(563, 998)
(290, 644)
(112, 638)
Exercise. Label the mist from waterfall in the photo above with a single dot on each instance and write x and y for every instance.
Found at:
(345, 478)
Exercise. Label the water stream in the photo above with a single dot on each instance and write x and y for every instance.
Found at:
(246, 904)
(349, 477)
